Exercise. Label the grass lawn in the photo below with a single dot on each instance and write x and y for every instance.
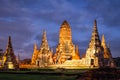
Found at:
(45, 74)
(6, 76)
(61, 74)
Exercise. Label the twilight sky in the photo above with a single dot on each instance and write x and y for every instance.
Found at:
(25, 20)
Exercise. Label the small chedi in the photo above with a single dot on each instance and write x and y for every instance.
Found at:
(98, 54)
(9, 58)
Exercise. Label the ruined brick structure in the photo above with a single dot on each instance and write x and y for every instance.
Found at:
(67, 54)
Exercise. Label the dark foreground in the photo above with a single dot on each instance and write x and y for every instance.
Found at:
(94, 74)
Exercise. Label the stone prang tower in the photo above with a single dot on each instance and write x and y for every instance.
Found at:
(94, 52)
(43, 56)
(65, 49)
(9, 58)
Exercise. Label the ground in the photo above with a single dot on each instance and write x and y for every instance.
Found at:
(61, 74)
(34, 77)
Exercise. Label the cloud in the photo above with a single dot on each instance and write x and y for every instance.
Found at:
(25, 21)
(19, 31)
(108, 10)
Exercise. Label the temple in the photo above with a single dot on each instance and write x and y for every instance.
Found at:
(43, 56)
(108, 60)
(9, 58)
(98, 53)
(94, 52)
(67, 53)
(65, 49)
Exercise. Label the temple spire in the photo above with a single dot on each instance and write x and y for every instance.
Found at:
(95, 49)
(44, 35)
(35, 46)
(65, 33)
(103, 38)
(103, 43)
(65, 49)
(43, 56)
(35, 54)
(95, 41)
(107, 53)
(44, 43)
(95, 27)
(76, 49)
(76, 56)
(9, 45)
(9, 59)
(95, 23)
(77, 52)
(65, 24)
(9, 48)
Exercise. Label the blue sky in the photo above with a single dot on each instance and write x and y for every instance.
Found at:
(25, 20)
